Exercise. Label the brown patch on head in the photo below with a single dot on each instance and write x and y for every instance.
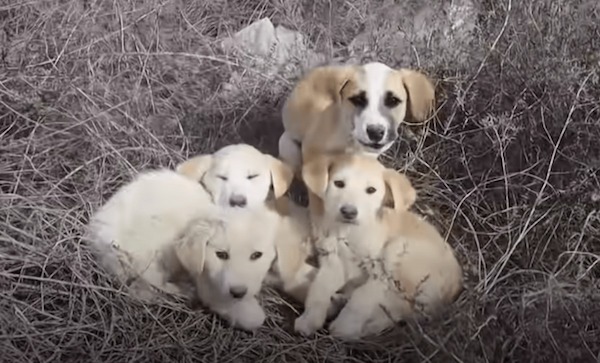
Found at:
(351, 86)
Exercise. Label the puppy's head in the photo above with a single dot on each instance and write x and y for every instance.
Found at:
(375, 99)
(239, 176)
(355, 187)
(231, 259)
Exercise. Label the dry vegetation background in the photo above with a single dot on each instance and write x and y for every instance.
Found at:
(92, 91)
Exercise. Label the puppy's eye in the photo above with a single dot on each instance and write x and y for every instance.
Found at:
(252, 176)
(359, 100)
(371, 190)
(222, 255)
(222, 177)
(391, 101)
(339, 183)
(255, 256)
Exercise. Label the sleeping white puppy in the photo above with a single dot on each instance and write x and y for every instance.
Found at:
(395, 264)
(239, 175)
(162, 226)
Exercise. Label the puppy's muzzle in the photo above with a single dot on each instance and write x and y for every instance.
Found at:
(237, 200)
(348, 213)
(238, 292)
(375, 133)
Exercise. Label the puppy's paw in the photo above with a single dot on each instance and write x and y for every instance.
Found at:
(337, 304)
(247, 315)
(348, 325)
(307, 324)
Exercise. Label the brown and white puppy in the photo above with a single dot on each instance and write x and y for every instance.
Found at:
(387, 255)
(351, 108)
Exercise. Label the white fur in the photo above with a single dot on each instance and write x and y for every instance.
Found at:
(237, 164)
(162, 223)
(376, 75)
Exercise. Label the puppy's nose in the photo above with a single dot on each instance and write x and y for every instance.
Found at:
(237, 201)
(375, 132)
(238, 292)
(348, 211)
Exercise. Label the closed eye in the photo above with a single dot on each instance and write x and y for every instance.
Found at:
(222, 177)
(252, 176)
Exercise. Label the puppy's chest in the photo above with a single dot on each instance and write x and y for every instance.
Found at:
(360, 252)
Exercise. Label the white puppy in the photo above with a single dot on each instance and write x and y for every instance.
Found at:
(239, 176)
(163, 225)
(388, 257)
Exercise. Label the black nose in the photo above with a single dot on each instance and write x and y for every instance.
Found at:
(237, 201)
(238, 292)
(348, 211)
(375, 132)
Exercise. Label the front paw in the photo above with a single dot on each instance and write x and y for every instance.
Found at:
(247, 315)
(347, 326)
(307, 324)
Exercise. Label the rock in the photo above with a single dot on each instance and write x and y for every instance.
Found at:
(272, 49)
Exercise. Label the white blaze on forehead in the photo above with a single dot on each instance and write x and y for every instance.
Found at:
(376, 75)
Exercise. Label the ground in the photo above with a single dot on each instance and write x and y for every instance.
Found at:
(93, 91)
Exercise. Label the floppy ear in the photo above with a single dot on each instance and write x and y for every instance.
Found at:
(195, 167)
(421, 93)
(281, 176)
(191, 245)
(346, 83)
(400, 189)
(315, 174)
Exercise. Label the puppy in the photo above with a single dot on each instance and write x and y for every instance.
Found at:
(351, 108)
(163, 225)
(239, 176)
(395, 259)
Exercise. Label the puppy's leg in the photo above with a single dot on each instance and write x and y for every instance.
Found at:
(298, 286)
(329, 279)
(246, 314)
(290, 152)
(358, 310)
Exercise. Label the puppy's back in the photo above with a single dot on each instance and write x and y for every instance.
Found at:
(425, 261)
(146, 215)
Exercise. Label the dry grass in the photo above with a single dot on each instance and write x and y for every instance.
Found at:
(92, 91)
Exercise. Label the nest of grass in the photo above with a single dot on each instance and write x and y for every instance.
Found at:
(92, 92)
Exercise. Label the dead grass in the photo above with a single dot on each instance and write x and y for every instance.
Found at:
(91, 92)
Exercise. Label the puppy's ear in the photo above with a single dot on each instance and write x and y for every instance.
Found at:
(315, 174)
(190, 248)
(346, 83)
(421, 93)
(399, 189)
(281, 176)
(195, 167)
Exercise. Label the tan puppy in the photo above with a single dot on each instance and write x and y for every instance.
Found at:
(397, 260)
(163, 225)
(239, 176)
(351, 108)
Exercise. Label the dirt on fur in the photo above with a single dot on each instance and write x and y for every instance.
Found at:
(92, 92)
